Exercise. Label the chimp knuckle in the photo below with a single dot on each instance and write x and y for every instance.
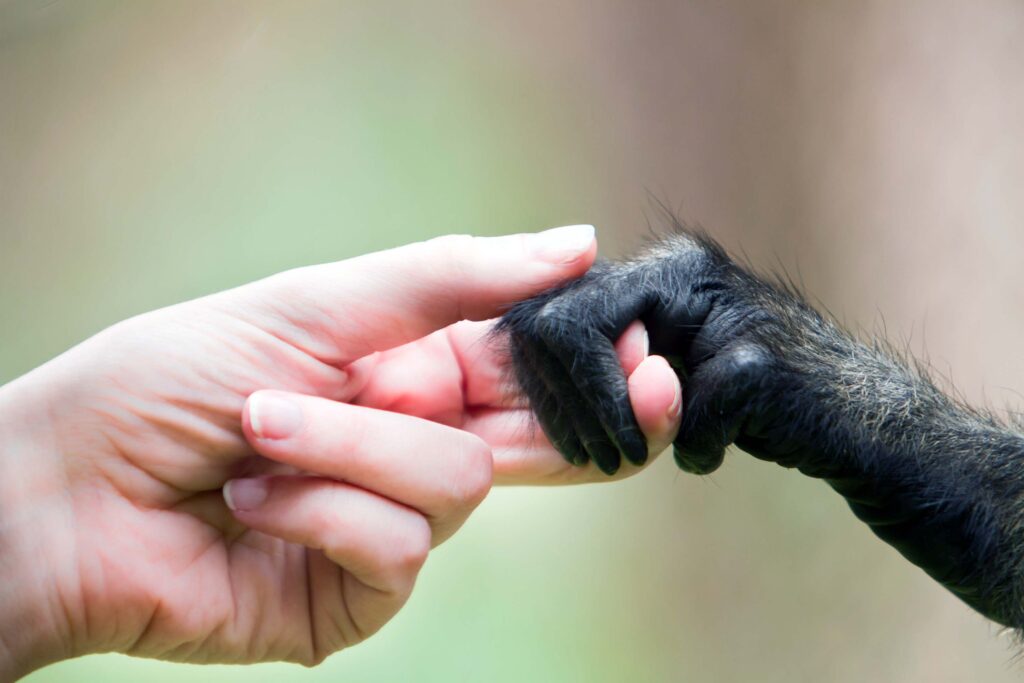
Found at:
(557, 320)
(749, 359)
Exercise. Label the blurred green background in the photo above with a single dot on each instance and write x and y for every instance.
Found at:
(151, 152)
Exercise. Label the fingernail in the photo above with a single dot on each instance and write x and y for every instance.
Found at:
(676, 407)
(273, 416)
(245, 494)
(646, 343)
(563, 245)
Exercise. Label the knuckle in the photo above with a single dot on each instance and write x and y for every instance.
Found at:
(411, 547)
(455, 250)
(555, 320)
(747, 360)
(457, 255)
(311, 659)
(473, 474)
(325, 521)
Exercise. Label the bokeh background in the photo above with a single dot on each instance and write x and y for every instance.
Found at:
(155, 151)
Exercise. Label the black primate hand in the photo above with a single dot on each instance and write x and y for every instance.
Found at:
(760, 368)
(723, 330)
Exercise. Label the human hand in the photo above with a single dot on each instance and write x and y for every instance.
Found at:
(114, 532)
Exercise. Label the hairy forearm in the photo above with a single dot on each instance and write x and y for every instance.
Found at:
(937, 480)
(761, 368)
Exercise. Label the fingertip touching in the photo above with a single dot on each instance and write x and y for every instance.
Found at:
(487, 274)
(339, 312)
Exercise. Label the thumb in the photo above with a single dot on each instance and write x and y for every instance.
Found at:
(341, 311)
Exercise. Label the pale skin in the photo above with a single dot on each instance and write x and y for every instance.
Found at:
(231, 479)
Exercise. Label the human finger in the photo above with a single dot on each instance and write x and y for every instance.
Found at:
(440, 471)
(656, 397)
(382, 544)
(341, 311)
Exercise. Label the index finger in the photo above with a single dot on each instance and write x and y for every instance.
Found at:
(339, 312)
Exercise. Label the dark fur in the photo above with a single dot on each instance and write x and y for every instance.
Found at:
(941, 482)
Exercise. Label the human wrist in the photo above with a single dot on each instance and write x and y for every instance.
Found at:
(35, 622)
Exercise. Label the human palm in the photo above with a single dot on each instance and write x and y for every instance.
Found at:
(165, 549)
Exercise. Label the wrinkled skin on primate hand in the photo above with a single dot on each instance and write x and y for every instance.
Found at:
(762, 369)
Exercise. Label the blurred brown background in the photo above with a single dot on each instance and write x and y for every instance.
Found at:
(154, 151)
